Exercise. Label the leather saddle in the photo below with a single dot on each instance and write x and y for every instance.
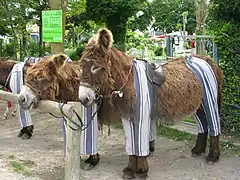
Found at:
(155, 73)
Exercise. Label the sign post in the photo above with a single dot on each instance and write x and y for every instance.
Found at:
(53, 25)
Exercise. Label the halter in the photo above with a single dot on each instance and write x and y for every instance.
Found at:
(114, 93)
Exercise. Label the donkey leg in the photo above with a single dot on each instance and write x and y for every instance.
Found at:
(28, 132)
(14, 112)
(93, 160)
(152, 146)
(22, 132)
(153, 128)
(142, 167)
(25, 122)
(128, 172)
(5, 115)
(89, 138)
(201, 141)
(214, 149)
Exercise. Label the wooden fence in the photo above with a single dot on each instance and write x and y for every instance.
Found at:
(72, 162)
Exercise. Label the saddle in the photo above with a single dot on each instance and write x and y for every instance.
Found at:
(155, 73)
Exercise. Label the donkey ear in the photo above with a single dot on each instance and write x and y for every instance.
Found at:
(52, 67)
(59, 60)
(104, 39)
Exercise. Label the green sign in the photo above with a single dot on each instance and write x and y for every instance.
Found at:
(52, 26)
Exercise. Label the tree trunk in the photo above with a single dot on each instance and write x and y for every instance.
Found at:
(55, 5)
(40, 44)
(117, 24)
(201, 16)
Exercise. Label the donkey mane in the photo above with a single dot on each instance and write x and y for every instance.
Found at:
(66, 76)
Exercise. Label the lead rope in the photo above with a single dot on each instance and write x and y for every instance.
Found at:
(79, 127)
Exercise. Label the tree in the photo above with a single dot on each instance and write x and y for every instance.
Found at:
(224, 17)
(168, 14)
(201, 16)
(59, 4)
(114, 14)
(228, 11)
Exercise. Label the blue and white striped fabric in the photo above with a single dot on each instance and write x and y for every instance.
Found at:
(89, 136)
(16, 83)
(32, 59)
(138, 131)
(205, 74)
(37, 59)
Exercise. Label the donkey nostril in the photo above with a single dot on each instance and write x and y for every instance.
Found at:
(21, 99)
(86, 100)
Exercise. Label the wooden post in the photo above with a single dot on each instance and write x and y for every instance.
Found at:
(73, 143)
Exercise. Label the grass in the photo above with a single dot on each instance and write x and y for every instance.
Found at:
(226, 147)
(190, 120)
(20, 166)
(171, 133)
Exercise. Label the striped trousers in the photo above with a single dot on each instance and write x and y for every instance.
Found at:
(142, 128)
(16, 83)
(89, 135)
(208, 115)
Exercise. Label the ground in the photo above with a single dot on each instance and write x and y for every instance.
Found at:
(41, 158)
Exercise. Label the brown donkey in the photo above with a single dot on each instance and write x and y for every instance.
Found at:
(54, 79)
(6, 67)
(141, 92)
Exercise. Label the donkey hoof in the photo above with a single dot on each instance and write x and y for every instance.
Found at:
(4, 117)
(21, 133)
(142, 175)
(91, 162)
(197, 152)
(128, 173)
(27, 136)
(212, 159)
(86, 167)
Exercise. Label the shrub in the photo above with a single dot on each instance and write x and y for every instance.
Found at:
(159, 51)
(77, 53)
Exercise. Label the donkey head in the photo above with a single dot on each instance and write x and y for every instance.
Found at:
(94, 62)
(41, 81)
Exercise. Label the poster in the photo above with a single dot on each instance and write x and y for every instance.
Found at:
(52, 26)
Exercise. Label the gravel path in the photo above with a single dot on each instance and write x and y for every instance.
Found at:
(42, 156)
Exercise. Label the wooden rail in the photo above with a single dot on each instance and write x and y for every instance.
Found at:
(72, 163)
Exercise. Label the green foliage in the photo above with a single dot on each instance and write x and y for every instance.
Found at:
(8, 50)
(140, 42)
(228, 40)
(168, 14)
(159, 51)
(32, 49)
(142, 19)
(228, 11)
(115, 14)
(77, 53)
